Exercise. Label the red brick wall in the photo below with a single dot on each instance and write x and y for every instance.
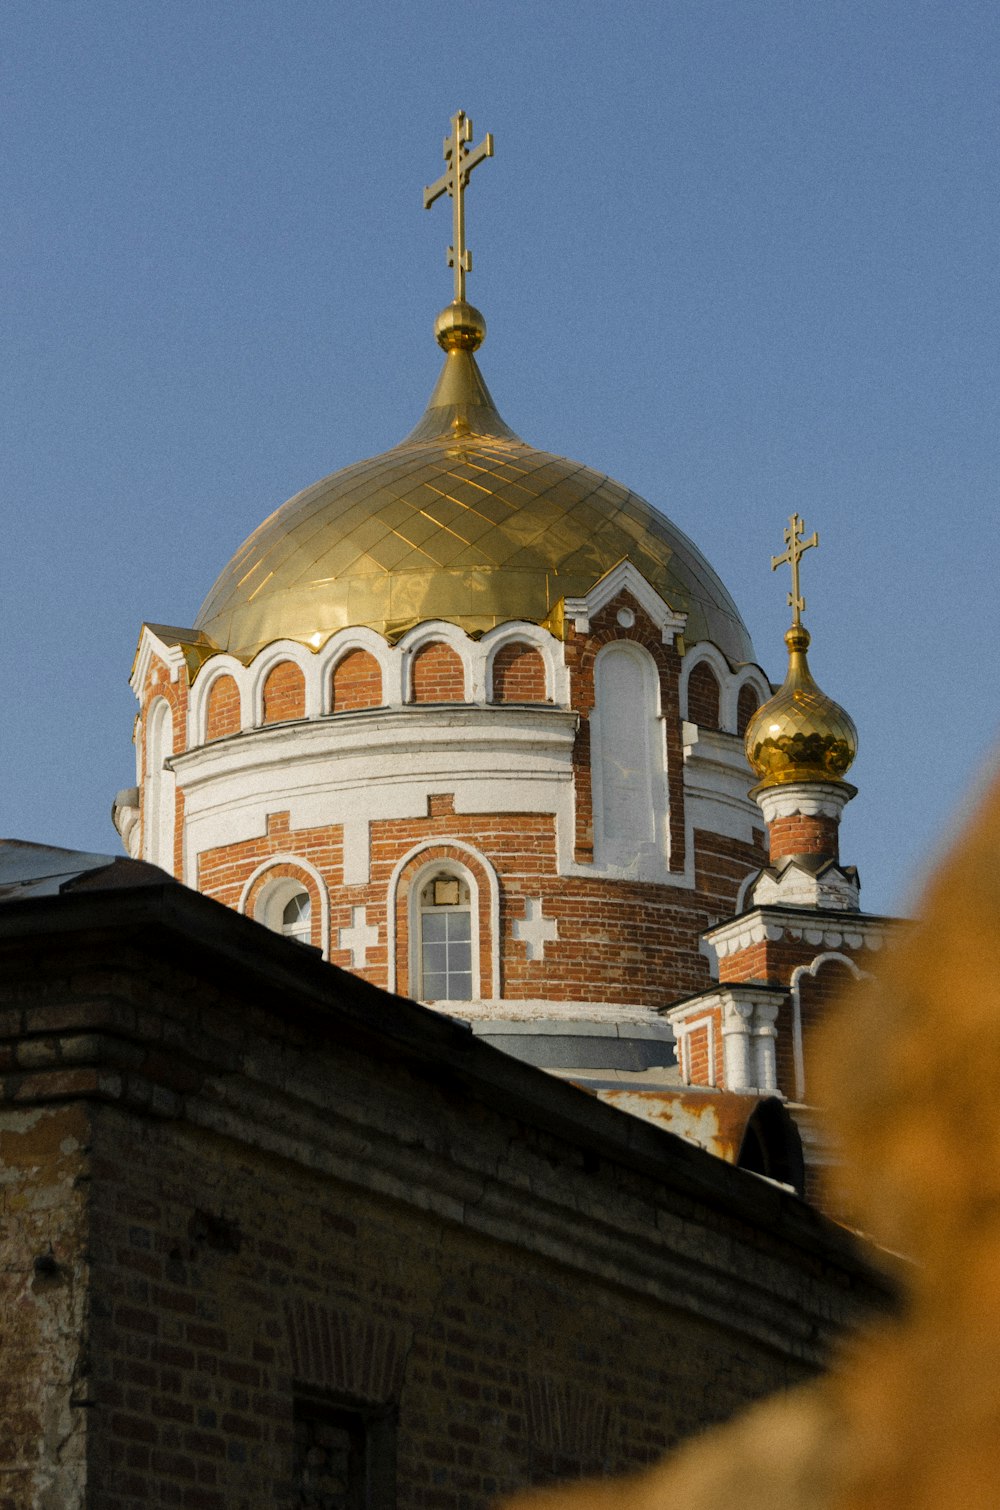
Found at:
(619, 941)
(746, 706)
(356, 682)
(518, 675)
(222, 716)
(703, 696)
(802, 835)
(437, 675)
(284, 693)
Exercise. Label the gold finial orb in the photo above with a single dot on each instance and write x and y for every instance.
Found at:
(460, 327)
(800, 734)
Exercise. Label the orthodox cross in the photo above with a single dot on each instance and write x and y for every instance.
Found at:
(797, 548)
(454, 182)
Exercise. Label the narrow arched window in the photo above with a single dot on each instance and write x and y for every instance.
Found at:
(445, 938)
(159, 787)
(627, 757)
(703, 696)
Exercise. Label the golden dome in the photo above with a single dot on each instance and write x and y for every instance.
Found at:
(800, 734)
(462, 521)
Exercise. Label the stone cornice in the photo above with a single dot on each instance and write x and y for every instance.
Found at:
(823, 928)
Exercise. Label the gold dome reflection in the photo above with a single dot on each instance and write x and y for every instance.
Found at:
(462, 521)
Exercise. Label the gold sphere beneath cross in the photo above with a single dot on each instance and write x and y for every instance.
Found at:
(460, 327)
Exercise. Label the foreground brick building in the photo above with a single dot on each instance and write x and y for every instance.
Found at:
(273, 1237)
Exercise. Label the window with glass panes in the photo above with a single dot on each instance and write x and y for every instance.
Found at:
(296, 917)
(445, 939)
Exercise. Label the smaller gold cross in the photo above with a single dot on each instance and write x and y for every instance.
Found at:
(454, 181)
(797, 548)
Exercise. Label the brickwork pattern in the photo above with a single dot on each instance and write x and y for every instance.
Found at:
(284, 693)
(802, 834)
(703, 696)
(356, 682)
(518, 675)
(437, 675)
(222, 715)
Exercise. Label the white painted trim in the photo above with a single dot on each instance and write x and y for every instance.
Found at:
(151, 645)
(625, 578)
(159, 787)
(810, 799)
(813, 968)
(308, 869)
(449, 842)
(746, 885)
(684, 1044)
(417, 884)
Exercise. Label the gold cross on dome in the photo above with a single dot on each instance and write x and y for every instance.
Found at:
(454, 182)
(797, 548)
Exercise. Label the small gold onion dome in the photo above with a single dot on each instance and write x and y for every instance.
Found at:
(460, 327)
(800, 734)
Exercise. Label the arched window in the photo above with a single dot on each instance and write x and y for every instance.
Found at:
(284, 693)
(159, 787)
(518, 675)
(444, 940)
(746, 706)
(703, 696)
(627, 757)
(437, 675)
(356, 682)
(285, 906)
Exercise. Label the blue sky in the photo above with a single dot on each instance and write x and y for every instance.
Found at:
(740, 255)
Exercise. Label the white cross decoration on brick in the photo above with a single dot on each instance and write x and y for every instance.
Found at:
(534, 929)
(359, 938)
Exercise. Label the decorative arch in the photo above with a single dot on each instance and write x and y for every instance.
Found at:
(772, 1145)
(704, 696)
(272, 658)
(218, 668)
(283, 693)
(223, 708)
(261, 890)
(799, 974)
(437, 640)
(516, 674)
(343, 644)
(355, 682)
(159, 789)
(496, 641)
(708, 655)
(628, 758)
(751, 681)
(419, 862)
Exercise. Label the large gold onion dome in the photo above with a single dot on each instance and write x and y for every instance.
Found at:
(800, 734)
(462, 521)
